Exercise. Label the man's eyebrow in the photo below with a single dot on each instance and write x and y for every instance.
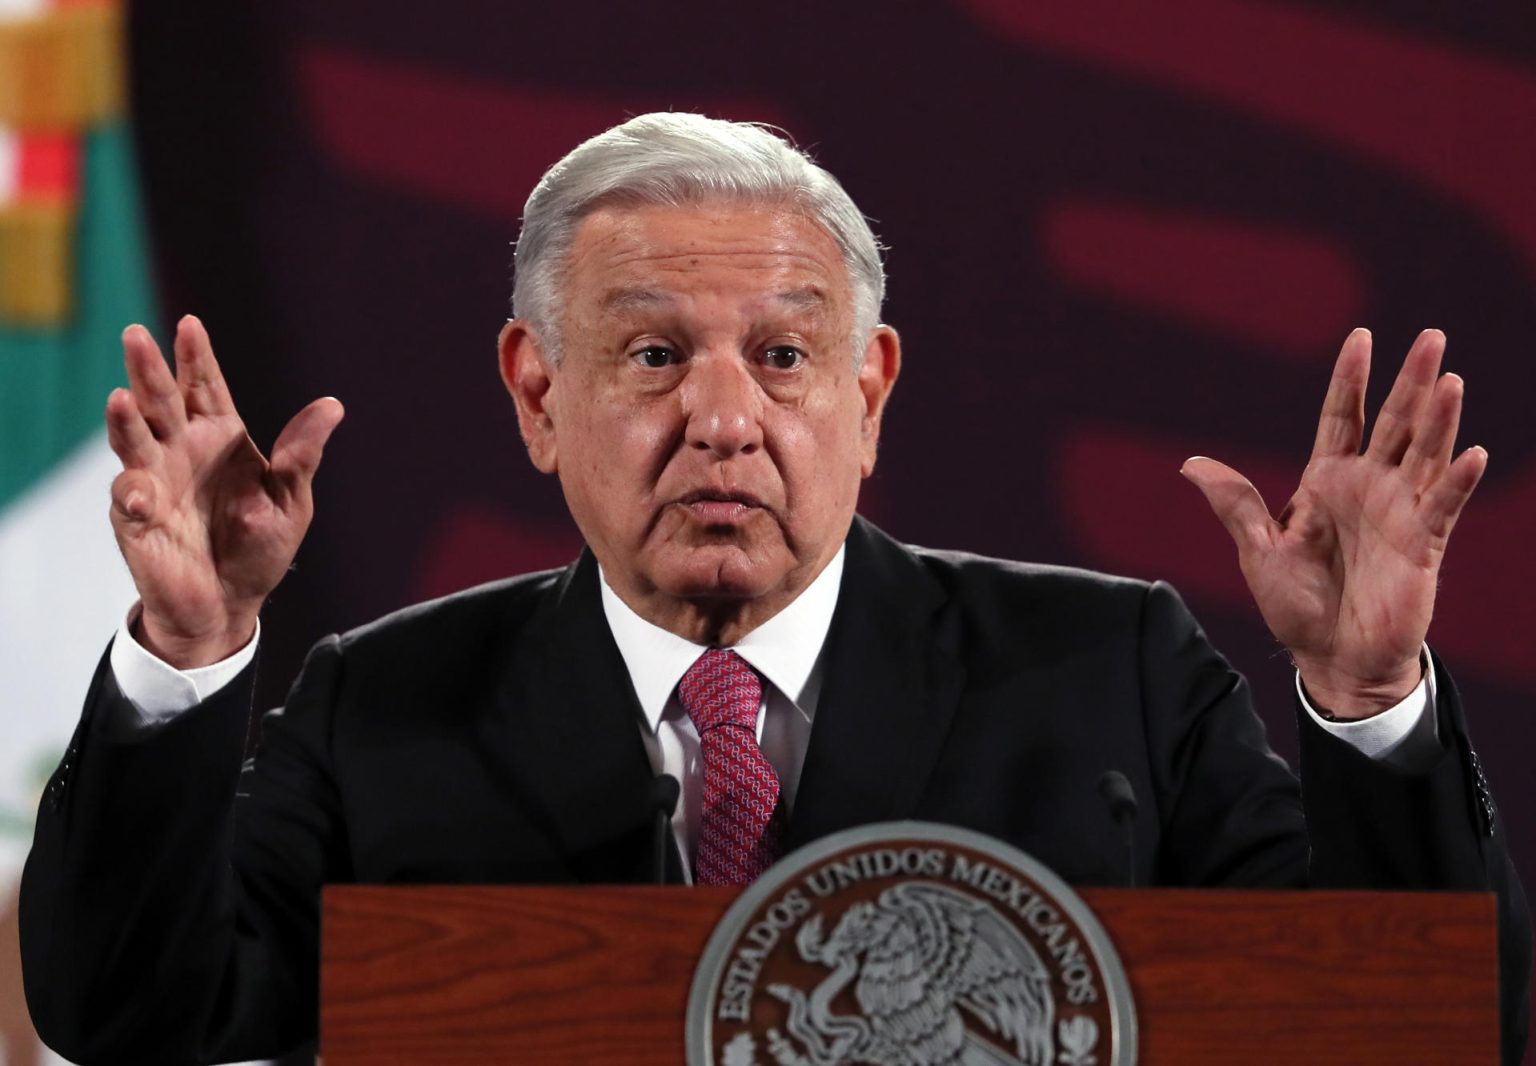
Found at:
(807, 298)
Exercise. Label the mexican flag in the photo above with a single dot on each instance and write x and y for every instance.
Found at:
(73, 272)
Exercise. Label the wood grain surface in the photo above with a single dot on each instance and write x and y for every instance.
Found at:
(601, 975)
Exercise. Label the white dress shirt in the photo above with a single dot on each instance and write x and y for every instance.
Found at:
(785, 650)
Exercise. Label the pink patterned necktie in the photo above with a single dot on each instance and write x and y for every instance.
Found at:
(738, 833)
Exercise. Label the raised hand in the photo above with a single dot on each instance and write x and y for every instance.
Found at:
(1345, 575)
(206, 524)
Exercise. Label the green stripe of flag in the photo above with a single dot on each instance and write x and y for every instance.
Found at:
(54, 381)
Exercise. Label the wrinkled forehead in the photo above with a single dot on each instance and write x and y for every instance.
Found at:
(644, 259)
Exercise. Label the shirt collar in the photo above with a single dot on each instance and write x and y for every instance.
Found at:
(783, 649)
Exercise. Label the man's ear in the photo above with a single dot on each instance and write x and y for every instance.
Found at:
(877, 376)
(529, 380)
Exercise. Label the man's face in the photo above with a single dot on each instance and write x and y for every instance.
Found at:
(707, 421)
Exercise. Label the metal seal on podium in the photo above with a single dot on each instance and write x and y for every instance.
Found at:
(910, 944)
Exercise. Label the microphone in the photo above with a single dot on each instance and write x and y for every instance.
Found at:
(1117, 792)
(664, 793)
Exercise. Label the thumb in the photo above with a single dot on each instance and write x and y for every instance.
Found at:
(1234, 499)
(134, 497)
(296, 455)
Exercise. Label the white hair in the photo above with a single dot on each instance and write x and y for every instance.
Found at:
(680, 159)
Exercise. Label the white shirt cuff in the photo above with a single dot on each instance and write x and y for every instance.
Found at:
(157, 690)
(1406, 736)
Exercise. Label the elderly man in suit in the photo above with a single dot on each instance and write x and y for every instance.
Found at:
(698, 356)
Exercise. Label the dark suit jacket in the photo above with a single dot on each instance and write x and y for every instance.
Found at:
(169, 906)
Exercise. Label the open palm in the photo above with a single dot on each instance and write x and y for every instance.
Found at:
(1345, 575)
(206, 524)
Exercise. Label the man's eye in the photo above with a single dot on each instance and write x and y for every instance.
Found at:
(783, 357)
(655, 357)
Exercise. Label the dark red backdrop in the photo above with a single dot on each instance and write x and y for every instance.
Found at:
(1121, 233)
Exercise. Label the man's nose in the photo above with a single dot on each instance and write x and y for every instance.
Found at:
(723, 405)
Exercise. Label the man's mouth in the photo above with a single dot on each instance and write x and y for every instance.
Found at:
(719, 507)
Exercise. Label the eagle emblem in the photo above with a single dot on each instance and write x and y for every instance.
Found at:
(939, 978)
(909, 944)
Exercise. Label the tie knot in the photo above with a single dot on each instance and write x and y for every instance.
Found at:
(720, 689)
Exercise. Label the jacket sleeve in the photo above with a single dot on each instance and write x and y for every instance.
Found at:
(169, 905)
(1228, 809)
(1230, 813)
(1373, 826)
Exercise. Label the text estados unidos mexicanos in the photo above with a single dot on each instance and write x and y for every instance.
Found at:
(784, 913)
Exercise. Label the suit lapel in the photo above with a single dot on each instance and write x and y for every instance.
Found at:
(568, 703)
(891, 683)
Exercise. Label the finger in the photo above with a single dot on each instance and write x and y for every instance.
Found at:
(1234, 499)
(197, 371)
(1410, 392)
(1342, 424)
(128, 434)
(1441, 505)
(1434, 434)
(296, 455)
(133, 500)
(154, 388)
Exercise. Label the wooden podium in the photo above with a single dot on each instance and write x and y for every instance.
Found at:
(601, 975)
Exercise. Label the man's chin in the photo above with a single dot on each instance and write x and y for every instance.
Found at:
(722, 572)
